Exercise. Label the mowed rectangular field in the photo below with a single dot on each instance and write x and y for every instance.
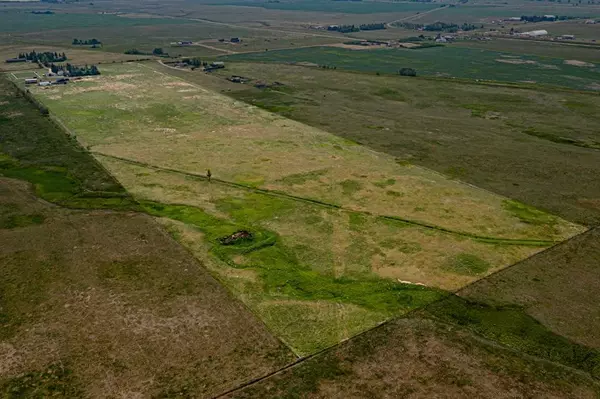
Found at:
(343, 238)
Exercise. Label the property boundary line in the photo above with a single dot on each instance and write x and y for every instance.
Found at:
(483, 239)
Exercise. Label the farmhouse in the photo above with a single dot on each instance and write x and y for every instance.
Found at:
(235, 40)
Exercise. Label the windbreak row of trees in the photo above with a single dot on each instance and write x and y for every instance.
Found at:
(543, 18)
(43, 58)
(441, 27)
(72, 70)
(90, 42)
(354, 28)
(157, 51)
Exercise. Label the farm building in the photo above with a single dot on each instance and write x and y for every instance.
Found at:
(31, 81)
(44, 83)
(535, 33)
(12, 60)
(566, 37)
(235, 40)
(185, 43)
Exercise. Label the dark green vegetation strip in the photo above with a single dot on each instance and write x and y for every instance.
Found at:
(484, 239)
(282, 274)
(512, 327)
(459, 62)
(34, 149)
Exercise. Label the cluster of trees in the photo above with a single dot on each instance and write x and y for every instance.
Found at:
(43, 58)
(157, 51)
(327, 67)
(354, 28)
(72, 70)
(372, 26)
(47, 12)
(90, 42)
(407, 72)
(135, 51)
(194, 62)
(441, 27)
(343, 28)
(445, 27)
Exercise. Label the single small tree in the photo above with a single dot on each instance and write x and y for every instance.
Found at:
(208, 174)
(158, 51)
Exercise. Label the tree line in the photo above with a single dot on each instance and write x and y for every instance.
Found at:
(157, 51)
(354, 28)
(43, 58)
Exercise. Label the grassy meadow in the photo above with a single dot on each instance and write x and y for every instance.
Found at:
(519, 142)
(446, 61)
(344, 237)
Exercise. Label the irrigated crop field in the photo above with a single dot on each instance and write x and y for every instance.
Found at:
(342, 238)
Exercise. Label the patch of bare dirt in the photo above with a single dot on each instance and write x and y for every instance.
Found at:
(579, 63)
(516, 61)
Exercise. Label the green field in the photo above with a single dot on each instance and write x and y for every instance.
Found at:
(443, 62)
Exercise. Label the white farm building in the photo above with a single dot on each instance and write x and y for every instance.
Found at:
(535, 33)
